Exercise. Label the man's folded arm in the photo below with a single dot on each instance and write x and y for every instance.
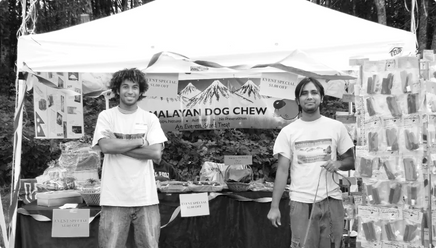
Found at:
(147, 152)
(118, 146)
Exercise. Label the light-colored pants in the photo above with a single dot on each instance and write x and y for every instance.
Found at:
(115, 224)
(327, 224)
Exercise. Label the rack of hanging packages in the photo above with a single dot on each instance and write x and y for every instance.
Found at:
(395, 104)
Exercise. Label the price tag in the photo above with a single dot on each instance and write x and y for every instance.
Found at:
(389, 213)
(348, 97)
(346, 118)
(390, 244)
(368, 212)
(414, 216)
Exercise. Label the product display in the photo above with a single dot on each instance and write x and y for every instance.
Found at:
(387, 84)
(390, 159)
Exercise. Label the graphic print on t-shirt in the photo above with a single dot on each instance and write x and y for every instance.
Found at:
(312, 151)
(129, 136)
(140, 131)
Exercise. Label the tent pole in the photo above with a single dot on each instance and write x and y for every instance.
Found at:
(16, 163)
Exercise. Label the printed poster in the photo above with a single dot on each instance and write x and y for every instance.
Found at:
(220, 104)
(58, 105)
(162, 84)
(280, 85)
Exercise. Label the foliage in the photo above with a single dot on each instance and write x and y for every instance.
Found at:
(188, 150)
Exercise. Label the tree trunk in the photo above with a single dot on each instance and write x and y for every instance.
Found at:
(381, 11)
(433, 41)
(422, 29)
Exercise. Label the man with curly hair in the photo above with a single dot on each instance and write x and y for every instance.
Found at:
(130, 138)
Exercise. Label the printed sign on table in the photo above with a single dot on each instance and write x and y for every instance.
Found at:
(238, 160)
(70, 223)
(194, 205)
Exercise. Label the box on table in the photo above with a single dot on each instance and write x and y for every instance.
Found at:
(58, 198)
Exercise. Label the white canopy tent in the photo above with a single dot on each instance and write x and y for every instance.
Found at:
(235, 34)
(227, 32)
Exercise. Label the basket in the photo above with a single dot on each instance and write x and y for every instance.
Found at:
(91, 199)
(238, 169)
(237, 186)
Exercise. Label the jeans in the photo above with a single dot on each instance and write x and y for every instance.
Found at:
(326, 228)
(115, 224)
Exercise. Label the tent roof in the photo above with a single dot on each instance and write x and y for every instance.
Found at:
(227, 32)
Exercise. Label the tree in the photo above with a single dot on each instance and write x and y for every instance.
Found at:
(423, 25)
(381, 11)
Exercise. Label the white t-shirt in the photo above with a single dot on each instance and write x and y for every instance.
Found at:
(126, 181)
(308, 145)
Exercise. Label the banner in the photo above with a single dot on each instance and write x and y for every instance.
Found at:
(220, 104)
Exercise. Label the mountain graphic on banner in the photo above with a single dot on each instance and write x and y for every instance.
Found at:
(216, 95)
(249, 91)
(189, 91)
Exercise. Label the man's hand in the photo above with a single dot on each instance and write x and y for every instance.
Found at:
(275, 217)
(332, 166)
(108, 134)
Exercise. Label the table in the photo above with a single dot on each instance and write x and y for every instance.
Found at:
(236, 220)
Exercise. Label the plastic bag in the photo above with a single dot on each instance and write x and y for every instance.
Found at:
(211, 171)
(78, 156)
(239, 173)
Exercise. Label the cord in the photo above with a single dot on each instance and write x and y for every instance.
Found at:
(311, 212)
(314, 200)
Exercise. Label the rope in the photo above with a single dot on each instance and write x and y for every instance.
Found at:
(175, 213)
(40, 217)
(27, 16)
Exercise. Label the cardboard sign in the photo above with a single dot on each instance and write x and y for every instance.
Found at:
(194, 205)
(279, 85)
(162, 84)
(70, 223)
(348, 98)
(238, 160)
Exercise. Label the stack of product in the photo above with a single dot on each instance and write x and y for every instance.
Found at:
(62, 181)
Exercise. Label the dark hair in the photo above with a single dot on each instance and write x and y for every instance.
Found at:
(300, 87)
(133, 75)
